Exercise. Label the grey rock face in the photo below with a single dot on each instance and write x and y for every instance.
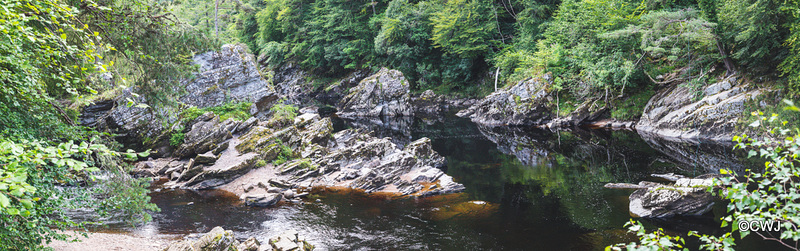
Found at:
(674, 113)
(386, 94)
(228, 75)
(521, 104)
(206, 134)
(685, 197)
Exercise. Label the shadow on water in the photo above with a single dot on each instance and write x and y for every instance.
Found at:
(525, 190)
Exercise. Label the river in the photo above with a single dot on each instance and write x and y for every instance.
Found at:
(525, 190)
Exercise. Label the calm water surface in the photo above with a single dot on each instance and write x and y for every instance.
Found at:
(526, 190)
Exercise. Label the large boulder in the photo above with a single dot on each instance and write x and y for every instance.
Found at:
(677, 112)
(228, 75)
(687, 196)
(384, 94)
(524, 103)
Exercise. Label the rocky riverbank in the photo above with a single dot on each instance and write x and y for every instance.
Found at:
(675, 111)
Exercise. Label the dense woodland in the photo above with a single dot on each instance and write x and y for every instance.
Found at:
(56, 56)
(457, 45)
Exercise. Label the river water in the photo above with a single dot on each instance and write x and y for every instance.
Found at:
(525, 190)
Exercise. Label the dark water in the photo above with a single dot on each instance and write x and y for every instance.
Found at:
(526, 190)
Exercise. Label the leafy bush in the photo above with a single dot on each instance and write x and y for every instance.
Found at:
(176, 139)
(285, 154)
(31, 204)
(632, 107)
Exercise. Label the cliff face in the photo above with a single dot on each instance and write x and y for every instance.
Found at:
(677, 112)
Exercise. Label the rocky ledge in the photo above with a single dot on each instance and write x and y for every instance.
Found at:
(219, 239)
(236, 156)
(677, 112)
(686, 196)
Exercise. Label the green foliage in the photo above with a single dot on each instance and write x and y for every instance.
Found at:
(756, 29)
(201, 16)
(656, 240)
(282, 115)
(176, 139)
(791, 65)
(31, 204)
(463, 27)
(632, 107)
(152, 50)
(773, 194)
(285, 154)
(45, 54)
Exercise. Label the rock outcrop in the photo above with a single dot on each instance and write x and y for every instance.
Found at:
(293, 83)
(353, 159)
(384, 94)
(133, 124)
(429, 105)
(309, 154)
(227, 75)
(206, 134)
(524, 103)
(219, 239)
(687, 196)
(676, 112)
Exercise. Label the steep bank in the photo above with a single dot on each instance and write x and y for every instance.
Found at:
(676, 111)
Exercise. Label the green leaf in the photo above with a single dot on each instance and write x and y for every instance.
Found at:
(26, 203)
(4, 202)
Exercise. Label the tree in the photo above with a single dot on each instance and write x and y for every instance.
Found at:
(463, 27)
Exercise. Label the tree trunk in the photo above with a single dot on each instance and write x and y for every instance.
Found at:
(729, 67)
(216, 18)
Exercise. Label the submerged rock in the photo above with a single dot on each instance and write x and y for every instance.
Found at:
(384, 94)
(524, 103)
